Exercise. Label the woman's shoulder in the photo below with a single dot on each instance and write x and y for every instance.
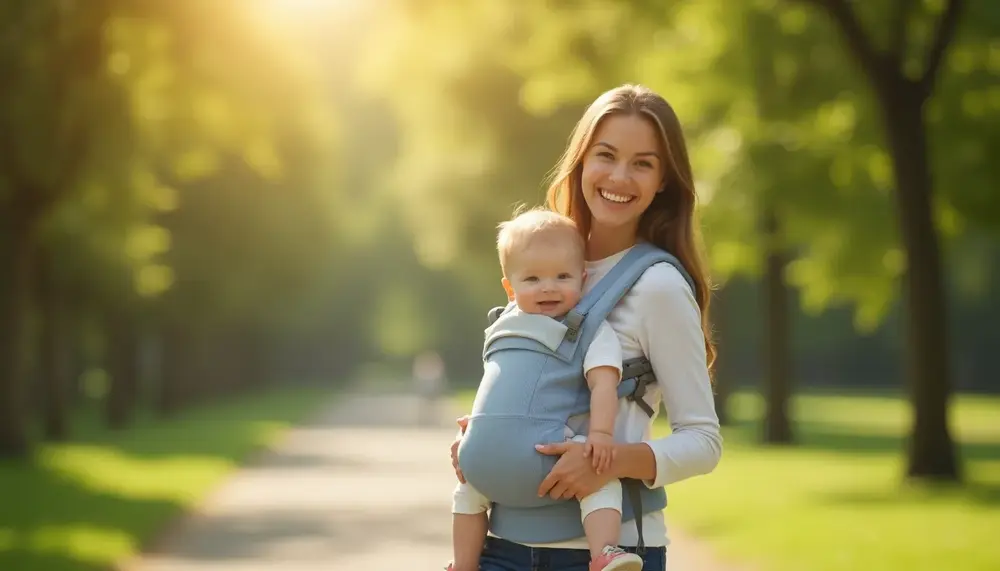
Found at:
(663, 282)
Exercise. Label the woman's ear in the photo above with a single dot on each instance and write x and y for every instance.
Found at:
(664, 183)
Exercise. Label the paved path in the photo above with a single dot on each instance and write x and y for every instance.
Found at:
(340, 493)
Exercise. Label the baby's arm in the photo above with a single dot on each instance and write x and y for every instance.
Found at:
(603, 383)
(603, 371)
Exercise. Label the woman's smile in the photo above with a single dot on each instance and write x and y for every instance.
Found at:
(615, 197)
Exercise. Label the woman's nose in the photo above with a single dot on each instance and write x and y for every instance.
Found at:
(619, 172)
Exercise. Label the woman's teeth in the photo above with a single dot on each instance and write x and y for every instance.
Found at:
(619, 198)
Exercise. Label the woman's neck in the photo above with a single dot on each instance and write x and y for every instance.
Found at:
(604, 241)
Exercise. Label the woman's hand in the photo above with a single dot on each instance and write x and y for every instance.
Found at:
(463, 423)
(573, 476)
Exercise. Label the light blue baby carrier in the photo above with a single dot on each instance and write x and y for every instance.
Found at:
(531, 386)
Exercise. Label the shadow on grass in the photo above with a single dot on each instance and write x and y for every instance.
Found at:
(857, 442)
(208, 429)
(983, 495)
(20, 559)
(839, 438)
(46, 516)
(53, 520)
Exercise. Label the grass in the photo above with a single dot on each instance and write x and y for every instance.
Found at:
(88, 504)
(837, 500)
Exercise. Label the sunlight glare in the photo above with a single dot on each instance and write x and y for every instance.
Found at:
(285, 15)
(298, 8)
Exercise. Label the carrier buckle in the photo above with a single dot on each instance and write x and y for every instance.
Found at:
(573, 321)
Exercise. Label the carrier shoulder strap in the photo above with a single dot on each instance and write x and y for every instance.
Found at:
(605, 295)
(637, 373)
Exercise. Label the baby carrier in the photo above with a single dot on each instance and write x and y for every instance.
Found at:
(533, 382)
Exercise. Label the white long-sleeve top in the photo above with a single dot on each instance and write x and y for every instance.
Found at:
(659, 318)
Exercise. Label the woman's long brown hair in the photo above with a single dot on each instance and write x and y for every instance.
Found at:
(670, 222)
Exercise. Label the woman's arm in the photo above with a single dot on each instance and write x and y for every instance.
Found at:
(634, 461)
(671, 336)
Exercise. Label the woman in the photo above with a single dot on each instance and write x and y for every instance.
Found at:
(626, 177)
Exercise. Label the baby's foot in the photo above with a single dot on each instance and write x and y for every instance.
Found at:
(613, 558)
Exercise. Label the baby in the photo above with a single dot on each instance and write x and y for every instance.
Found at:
(542, 259)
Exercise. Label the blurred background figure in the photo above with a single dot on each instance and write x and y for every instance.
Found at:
(429, 382)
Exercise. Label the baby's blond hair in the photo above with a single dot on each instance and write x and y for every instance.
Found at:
(527, 226)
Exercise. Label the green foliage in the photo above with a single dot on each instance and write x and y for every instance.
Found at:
(774, 107)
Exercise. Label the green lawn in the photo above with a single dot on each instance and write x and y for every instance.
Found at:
(85, 505)
(835, 502)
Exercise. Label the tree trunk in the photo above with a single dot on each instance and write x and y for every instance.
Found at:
(777, 427)
(176, 369)
(123, 365)
(16, 261)
(723, 373)
(777, 366)
(56, 350)
(931, 449)
(255, 353)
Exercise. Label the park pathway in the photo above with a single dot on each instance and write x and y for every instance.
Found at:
(363, 486)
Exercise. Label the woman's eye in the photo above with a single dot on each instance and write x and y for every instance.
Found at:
(645, 164)
(605, 155)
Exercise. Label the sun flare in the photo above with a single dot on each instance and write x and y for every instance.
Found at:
(303, 9)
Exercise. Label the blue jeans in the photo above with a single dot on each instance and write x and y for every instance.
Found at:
(502, 555)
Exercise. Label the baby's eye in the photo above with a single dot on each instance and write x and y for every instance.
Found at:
(531, 279)
(565, 276)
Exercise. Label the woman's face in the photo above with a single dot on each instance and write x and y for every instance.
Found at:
(622, 171)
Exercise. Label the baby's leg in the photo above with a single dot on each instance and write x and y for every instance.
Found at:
(602, 517)
(469, 527)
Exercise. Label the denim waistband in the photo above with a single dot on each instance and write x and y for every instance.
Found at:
(502, 555)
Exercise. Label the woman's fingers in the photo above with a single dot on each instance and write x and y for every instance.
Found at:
(560, 491)
(554, 449)
(454, 461)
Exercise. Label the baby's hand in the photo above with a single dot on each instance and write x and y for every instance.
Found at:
(601, 447)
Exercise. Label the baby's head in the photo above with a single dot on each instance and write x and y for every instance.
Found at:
(542, 258)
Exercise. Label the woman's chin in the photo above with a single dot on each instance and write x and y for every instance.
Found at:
(617, 218)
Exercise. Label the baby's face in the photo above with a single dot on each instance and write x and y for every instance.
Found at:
(546, 279)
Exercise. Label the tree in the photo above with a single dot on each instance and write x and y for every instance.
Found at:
(902, 92)
(51, 60)
(105, 103)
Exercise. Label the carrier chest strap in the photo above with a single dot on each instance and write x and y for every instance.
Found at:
(641, 370)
